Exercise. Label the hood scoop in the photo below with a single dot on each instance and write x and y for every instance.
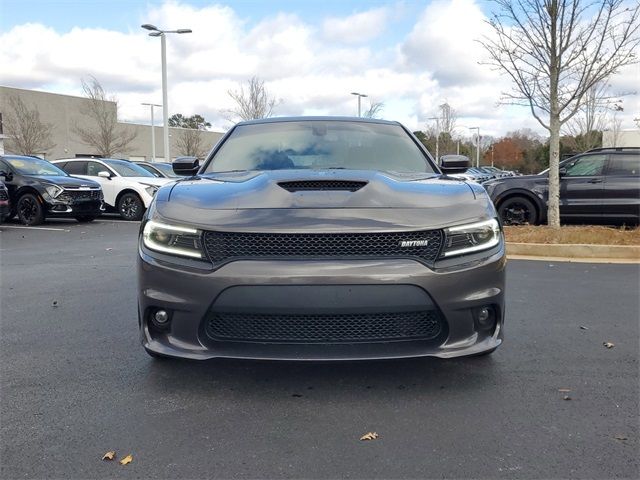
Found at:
(322, 185)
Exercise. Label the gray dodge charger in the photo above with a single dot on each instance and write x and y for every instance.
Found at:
(320, 238)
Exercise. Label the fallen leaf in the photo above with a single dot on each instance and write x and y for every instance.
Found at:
(126, 460)
(582, 327)
(609, 344)
(109, 455)
(369, 436)
(564, 390)
(621, 437)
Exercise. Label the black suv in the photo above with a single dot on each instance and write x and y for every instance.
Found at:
(600, 185)
(38, 189)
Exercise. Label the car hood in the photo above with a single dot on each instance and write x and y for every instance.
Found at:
(250, 200)
(158, 182)
(63, 181)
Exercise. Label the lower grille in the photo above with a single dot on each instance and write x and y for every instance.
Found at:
(324, 328)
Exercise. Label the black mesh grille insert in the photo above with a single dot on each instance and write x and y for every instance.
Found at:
(324, 328)
(306, 185)
(225, 246)
(79, 195)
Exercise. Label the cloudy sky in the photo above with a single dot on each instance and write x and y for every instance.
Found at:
(411, 55)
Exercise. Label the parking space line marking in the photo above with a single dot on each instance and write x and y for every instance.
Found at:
(37, 228)
(117, 221)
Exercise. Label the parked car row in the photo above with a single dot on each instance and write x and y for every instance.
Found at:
(80, 188)
(484, 174)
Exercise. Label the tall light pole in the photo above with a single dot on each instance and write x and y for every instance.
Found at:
(153, 131)
(156, 32)
(477, 144)
(359, 95)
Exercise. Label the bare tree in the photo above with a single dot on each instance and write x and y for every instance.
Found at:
(447, 119)
(587, 125)
(102, 131)
(554, 51)
(254, 103)
(375, 110)
(28, 135)
(190, 143)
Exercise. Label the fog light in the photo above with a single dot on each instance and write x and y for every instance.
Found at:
(485, 317)
(160, 318)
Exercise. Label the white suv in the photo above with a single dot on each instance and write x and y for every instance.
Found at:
(127, 187)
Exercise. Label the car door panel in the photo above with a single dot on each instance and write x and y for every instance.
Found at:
(582, 187)
(622, 187)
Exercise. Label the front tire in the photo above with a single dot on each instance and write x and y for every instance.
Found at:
(130, 207)
(518, 211)
(30, 211)
(85, 218)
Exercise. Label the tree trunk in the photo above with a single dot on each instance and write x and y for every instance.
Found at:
(553, 210)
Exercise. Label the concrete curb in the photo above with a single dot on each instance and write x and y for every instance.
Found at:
(576, 252)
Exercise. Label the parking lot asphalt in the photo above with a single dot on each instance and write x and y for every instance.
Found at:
(75, 383)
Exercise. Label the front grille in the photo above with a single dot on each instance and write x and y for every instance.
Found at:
(69, 196)
(3, 194)
(324, 328)
(225, 246)
(307, 185)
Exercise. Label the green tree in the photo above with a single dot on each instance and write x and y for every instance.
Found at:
(195, 122)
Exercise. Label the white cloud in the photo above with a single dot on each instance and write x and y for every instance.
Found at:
(357, 28)
(436, 61)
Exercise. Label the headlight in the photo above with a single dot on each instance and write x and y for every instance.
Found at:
(150, 189)
(472, 237)
(172, 239)
(53, 190)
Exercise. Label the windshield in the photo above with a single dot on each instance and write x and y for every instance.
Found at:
(34, 166)
(128, 169)
(317, 144)
(165, 168)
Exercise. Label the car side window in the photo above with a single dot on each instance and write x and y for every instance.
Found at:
(75, 168)
(586, 166)
(624, 164)
(94, 167)
(150, 170)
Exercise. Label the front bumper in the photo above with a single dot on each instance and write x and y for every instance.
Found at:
(190, 295)
(70, 209)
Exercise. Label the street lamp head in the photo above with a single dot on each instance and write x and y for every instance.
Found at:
(148, 26)
(155, 34)
(359, 94)
(184, 30)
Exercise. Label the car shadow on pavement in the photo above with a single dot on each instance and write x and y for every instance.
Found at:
(299, 379)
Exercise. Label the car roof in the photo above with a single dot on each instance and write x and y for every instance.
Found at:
(23, 156)
(318, 119)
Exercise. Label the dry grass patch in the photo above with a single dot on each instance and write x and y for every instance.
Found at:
(574, 235)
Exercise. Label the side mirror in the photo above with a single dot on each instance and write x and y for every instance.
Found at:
(562, 171)
(8, 176)
(104, 174)
(454, 163)
(186, 165)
